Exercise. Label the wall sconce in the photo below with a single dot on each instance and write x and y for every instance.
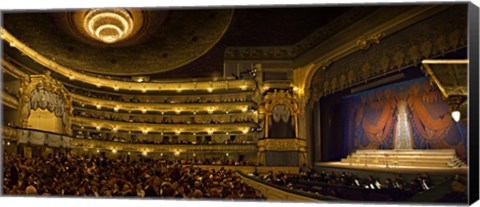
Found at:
(114, 151)
(245, 131)
(226, 133)
(210, 111)
(145, 153)
(115, 88)
(144, 111)
(210, 132)
(8, 143)
(161, 154)
(245, 109)
(99, 85)
(144, 131)
(162, 112)
(194, 154)
(244, 87)
(99, 128)
(128, 153)
(99, 107)
(210, 90)
(114, 130)
(71, 77)
(178, 111)
(98, 151)
(177, 132)
(194, 112)
(115, 109)
(226, 154)
(144, 90)
(176, 153)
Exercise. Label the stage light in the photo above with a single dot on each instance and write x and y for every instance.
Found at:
(456, 116)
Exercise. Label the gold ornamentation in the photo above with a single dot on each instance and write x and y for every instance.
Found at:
(47, 83)
(98, 144)
(282, 145)
(364, 42)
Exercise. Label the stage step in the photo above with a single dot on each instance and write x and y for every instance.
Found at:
(405, 158)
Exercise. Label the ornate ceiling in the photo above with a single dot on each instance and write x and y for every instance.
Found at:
(170, 43)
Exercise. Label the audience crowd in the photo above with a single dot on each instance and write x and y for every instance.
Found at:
(164, 120)
(71, 175)
(160, 100)
(171, 140)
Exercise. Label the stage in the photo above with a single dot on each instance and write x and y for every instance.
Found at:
(397, 169)
(443, 161)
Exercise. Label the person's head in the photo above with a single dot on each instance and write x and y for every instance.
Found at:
(31, 190)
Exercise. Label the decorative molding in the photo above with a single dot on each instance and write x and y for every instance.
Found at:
(292, 51)
(117, 85)
(406, 48)
(230, 127)
(47, 83)
(364, 42)
(9, 133)
(9, 100)
(150, 148)
(162, 107)
(282, 145)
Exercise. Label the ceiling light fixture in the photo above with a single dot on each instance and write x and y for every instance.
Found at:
(108, 25)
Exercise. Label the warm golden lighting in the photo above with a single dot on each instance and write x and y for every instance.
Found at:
(99, 128)
(210, 90)
(144, 111)
(115, 109)
(144, 131)
(114, 151)
(99, 107)
(144, 153)
(114, 130)
(108, 25)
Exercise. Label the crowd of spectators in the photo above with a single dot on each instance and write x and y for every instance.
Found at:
(164, 120)
(170, 140)
(96, 176)
(171, 100)
(333, 183)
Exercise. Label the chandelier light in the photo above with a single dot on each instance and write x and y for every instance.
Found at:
(108, 25)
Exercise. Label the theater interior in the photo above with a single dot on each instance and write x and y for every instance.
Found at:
(313, 104)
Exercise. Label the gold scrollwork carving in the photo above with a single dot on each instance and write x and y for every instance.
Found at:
(364, 42)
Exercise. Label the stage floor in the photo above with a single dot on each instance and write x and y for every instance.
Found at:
(394, 169)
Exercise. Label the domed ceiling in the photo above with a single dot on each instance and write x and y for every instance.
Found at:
(166, 44)
(120, 41)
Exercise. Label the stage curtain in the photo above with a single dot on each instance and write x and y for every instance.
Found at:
(370, 118)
